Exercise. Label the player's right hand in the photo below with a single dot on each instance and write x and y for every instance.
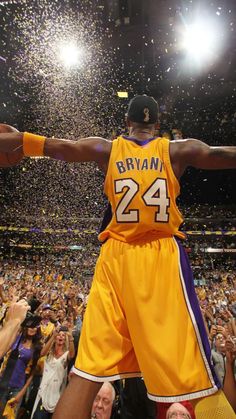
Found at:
(7, 128)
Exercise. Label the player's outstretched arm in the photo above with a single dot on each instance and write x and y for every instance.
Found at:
(85, 149)
(195, 153)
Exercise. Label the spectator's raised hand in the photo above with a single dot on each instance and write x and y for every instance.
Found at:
(17, 310)
(230, 349)
(213, 332)
(221, 329)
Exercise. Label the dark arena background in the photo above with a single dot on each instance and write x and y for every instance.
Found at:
(68, 69)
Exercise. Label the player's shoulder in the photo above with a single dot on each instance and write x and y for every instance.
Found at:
(185, 145)
(97, 149)
(97, 143)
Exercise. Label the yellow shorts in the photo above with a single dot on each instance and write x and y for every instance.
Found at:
(143, 318)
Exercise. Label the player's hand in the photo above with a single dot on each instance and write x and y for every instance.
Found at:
(7, 128)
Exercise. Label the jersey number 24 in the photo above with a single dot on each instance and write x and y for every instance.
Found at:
(154, 196)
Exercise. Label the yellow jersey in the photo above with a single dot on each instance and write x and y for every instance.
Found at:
(142, 189)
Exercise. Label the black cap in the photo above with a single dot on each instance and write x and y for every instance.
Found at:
(143, 109)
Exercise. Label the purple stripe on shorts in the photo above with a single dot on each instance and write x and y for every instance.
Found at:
(193, 300)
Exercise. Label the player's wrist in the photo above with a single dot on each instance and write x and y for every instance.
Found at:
(33, 145)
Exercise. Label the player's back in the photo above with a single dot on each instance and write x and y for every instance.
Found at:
(142, 189)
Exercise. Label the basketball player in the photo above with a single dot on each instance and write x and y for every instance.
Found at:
(143, 316)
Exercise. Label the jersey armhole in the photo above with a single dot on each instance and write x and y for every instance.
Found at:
(109, 167)
(166, 147)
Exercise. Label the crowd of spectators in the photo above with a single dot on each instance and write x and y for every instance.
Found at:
(71, 190)
(60, 284)
(54, 321)
(58, 298)
(214, 123)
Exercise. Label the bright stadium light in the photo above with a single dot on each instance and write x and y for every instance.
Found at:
(202, 42)
(70, 54)
(199, 40)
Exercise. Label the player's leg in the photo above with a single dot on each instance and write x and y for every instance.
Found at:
(105, 349)
(77, 399)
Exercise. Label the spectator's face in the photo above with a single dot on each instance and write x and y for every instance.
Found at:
(66, 323)
(31, 331)
(46, 314)
(60, 338)
(102, 405)
(177, 411)
(60, 315)
(220, 342)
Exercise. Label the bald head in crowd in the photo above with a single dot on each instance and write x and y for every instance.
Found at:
(178, 411)
(103, 402)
